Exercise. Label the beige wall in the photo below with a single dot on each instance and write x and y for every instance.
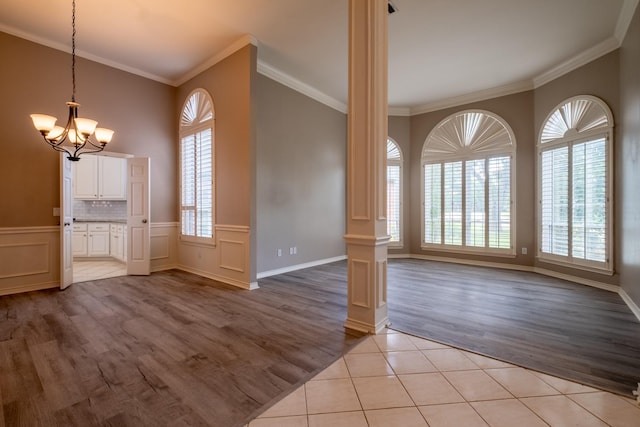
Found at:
(628, 158)
(517, 111)
(37, 79)
(598, 78)
(229, 84)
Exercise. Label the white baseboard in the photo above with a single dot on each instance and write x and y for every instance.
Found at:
(299, 266)
(30, 287)
(477, 263)
(237, 283)
(630, 303)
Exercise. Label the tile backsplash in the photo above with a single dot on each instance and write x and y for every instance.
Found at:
(99, 209)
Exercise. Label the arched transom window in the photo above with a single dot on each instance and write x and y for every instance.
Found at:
(574, 184)
(394, 193)
(468, 184)
(197, 167)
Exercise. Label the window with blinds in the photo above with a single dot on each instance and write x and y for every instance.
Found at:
(575, 184)
(196, 167)
(467, 184)
(394, 193)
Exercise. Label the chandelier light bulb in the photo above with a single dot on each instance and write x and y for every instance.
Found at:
(43, 123)
(55, 134)
(85, 127)
(104, 135)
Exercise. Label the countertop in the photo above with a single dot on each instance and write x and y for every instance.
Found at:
(113, 221)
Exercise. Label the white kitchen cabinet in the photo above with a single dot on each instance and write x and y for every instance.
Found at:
(117, 237)
(98, 240)
(112, 178)
(85, 178)
(100, 178)
(80, 240)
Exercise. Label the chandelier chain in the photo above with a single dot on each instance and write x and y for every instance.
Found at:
(73, 50)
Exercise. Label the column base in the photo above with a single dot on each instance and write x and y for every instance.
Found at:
(366, 328)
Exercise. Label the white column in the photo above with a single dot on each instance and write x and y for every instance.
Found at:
(366, 167)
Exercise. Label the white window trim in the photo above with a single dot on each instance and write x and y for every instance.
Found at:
(190, 130)
(511, 152)
(569, 140)
(398, 162)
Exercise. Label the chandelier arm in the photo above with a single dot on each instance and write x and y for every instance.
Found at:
(56, 136)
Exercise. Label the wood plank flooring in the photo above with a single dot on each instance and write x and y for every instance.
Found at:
(169, 349)
(176, 349)
(568, 330)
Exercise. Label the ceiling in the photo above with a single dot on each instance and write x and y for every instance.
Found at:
(441, 52)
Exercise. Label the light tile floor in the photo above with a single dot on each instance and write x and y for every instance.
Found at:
(93, 270)
(399, 380)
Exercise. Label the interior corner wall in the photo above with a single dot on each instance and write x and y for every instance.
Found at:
(301, 178)
(399, 129)
(517, 111)
(628, 163)
(37, 79)
(599, 78)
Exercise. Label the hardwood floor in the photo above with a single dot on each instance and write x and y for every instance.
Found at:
(177, 349)
(170, 349)
(568, 330)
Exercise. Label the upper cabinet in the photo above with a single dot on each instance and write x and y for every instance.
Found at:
(100, 178)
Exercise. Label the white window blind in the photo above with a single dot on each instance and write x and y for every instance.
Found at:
(394, 192)
(499, 186)
(393, 202)
(452, 194)
(475, 180)
(433, 204)
(574, 187)
(467, 184)
(196, 167)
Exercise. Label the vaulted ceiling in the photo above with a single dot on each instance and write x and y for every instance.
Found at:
(441, 52)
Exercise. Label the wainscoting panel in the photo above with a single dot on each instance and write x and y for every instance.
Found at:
(164, 246)
(29, 259)
(227, 261)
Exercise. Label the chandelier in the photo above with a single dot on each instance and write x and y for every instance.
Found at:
(78, 130)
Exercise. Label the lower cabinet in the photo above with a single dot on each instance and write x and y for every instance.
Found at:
(118, 241)
(98, 244)
(100, 239)
(80, 240)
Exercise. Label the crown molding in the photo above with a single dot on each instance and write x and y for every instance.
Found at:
(481, 95)
(591, 54)
(399, 111)
(82, 54)
(624, 19)
(295, 84)
(228, 51)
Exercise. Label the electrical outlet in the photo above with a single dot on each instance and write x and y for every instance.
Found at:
(295, 250)
(56, 211)
(279, 252)
(524, 251)
(291, 251)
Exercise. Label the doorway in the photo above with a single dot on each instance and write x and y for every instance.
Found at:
(105, 231)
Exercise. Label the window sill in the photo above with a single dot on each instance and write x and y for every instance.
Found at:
(506, 253)
(198, 241)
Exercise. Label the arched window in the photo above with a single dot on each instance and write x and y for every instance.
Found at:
(574, 184)
(196, 167)
(468, 184)
(394, 193)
